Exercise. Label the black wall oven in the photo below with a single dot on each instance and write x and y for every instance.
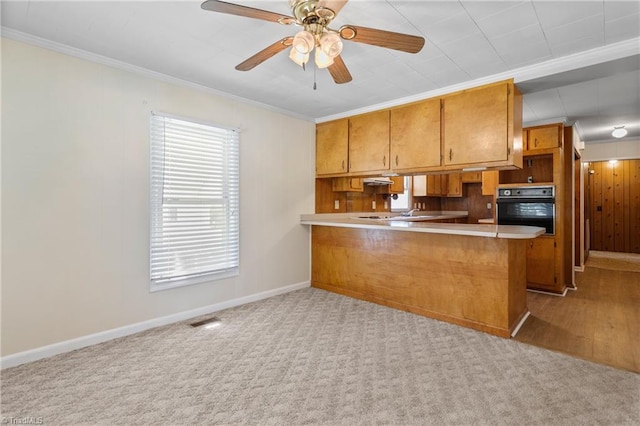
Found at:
(527, 205)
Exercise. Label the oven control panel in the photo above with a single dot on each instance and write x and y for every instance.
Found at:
(527, 192)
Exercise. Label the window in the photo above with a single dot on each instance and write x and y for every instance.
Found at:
(194, 202)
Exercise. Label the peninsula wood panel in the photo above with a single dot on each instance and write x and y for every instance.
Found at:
(614, 194)
(476, 282)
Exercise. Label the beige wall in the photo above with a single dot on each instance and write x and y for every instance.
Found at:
(615, 150)
(75, 190)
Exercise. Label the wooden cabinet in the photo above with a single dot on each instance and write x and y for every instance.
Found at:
(454, 185)
(542, 137)
(397, 187)
(471, 177)
(541, 256)
(332, 147)
(415, 136)
(490, 182)
(345, 184)
(369, 142)
(437, 185)
(483, 127)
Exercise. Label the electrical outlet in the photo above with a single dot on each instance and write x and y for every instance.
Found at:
(386, 205)
(373, 205)
(488, 206)
(336, 204)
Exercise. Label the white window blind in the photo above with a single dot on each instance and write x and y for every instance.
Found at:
(194, 202)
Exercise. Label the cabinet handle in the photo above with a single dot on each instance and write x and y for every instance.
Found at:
(384, 161)
(396, 160)
(342, 164)
(450, 154)
(531, 244)
(535, 142)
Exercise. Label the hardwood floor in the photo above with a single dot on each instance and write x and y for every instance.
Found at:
(600, 321)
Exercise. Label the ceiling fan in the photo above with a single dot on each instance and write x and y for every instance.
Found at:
(315, 16)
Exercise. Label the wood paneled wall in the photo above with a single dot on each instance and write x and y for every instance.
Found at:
(614, 196)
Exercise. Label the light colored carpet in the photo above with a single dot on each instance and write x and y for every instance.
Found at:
(614, 260)
(313, 357)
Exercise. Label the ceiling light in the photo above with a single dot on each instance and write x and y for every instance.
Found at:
(299, 58)
(322, 60)
(331, 44)
(613, 161)
(304, 42)
(619, 132)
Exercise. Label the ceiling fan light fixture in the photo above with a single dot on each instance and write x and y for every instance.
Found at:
(322, 59)
(619, 132)
(331, 44)
(298, 58)
(304, 42)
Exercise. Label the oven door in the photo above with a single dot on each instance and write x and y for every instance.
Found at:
(528, 212)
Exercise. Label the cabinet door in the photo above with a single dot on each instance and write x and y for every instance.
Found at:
(544, 137)
(369, 142)
(415, 135)
(541, 263)
(471, 177)
(397, 187)
(434, 185)
(490, 182)
(419, 186)
(454, 185)
(476, 126)
(332, 147)
(345, 184)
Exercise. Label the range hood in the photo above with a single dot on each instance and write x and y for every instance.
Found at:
(377, 181)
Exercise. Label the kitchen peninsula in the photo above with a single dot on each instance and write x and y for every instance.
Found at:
(473, 275)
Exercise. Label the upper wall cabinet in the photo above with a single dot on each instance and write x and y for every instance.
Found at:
(541, 137)
(369, 142)
(482, 127)
(415, 136)
(472, 129)
(332, 147)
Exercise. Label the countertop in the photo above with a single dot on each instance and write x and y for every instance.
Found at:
(396, 222)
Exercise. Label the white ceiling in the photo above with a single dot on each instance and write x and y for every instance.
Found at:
(577, 61)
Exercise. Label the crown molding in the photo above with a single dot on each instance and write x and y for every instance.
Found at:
(124, 66)
(587, 58)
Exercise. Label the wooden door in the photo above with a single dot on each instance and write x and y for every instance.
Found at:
(415, 136)
(332, 147)
(476, 126)
(614, 198)
(541, 263)
(369, 142)
(544, 137)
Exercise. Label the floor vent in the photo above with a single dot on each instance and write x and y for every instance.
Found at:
(206, 321)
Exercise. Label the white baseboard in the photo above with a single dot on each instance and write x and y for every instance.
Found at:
(103, 336)
(579, 268)
(520, 324)
(548, 293)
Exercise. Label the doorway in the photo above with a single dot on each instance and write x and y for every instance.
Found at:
(614, 206)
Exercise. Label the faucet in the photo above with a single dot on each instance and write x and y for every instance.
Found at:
(410, 212)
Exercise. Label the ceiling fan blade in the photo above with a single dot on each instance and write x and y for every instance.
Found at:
(390, 40)
(249, 12)
(339, 71)
(265, 54)
(335, 5)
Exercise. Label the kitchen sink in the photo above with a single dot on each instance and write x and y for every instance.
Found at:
(415, 218)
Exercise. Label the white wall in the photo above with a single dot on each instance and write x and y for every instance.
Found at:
(75, 190)
(619, 150)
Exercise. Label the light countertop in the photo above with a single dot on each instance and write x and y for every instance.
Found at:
(395, 222)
